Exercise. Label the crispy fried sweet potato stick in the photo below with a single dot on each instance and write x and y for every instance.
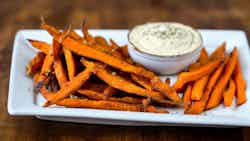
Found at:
(142, 81)
(99, 96)
(187, 96)
(199, 106)
(229, 93)
(42, 46)
(216, 95)
(87, 36)
(58, 67)
(45, 71)
(165, 89)
(206, 69)
(73, 85)
(70, 62)
(240, 84)
(100, 40)
(109, 91)
(219, 52)
(203, 55)
(102, 104)
(199, 85)
(35, 64)
(92, 53)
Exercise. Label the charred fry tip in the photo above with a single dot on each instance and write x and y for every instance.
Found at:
(42, 20)
(30, 40)
(46, 104)
(84, 21)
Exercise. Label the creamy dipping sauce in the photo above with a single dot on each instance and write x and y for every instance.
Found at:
(165, 39)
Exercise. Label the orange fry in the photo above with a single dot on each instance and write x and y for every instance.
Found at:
(101, 104)
(187, 97)
(70, 62)
(42, 46)
(100, 40)
(219, 52)
(229, 93)
(200, 84)
(73, 85)
(59, 70)
(240, 84)
(216, 95)
(206, 69)
(99, 96)
(35, 64)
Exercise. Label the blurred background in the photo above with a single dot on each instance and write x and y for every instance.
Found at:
(110, 14)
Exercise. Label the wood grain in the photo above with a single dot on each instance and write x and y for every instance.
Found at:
(15, 15)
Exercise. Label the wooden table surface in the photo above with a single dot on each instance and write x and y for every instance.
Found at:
(15, 15)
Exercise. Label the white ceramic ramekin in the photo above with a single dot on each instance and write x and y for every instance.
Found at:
(163, 65)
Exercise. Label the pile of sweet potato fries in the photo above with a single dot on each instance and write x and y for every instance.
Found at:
(91, 72)
(213, 79)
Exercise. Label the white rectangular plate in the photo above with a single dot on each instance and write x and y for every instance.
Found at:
(23, 101)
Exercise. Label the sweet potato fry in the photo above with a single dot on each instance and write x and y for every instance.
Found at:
(204, 70)
(45, 71)
(229, 93)
(35, 64)
(87, 36)
(219, 52)
(42, 46)
(58, 67)
(92, 53)
(199, 106)
(216, 95)
(73, 85)
(99, 96)
(165, 89)
(100, 40)
(52, 30)
(199, 85)
(109, 91)
(101, 104)
(70, 62)
(203, 55)
(240, 84)
(187, 96)
(142, 81)
(124, 51)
